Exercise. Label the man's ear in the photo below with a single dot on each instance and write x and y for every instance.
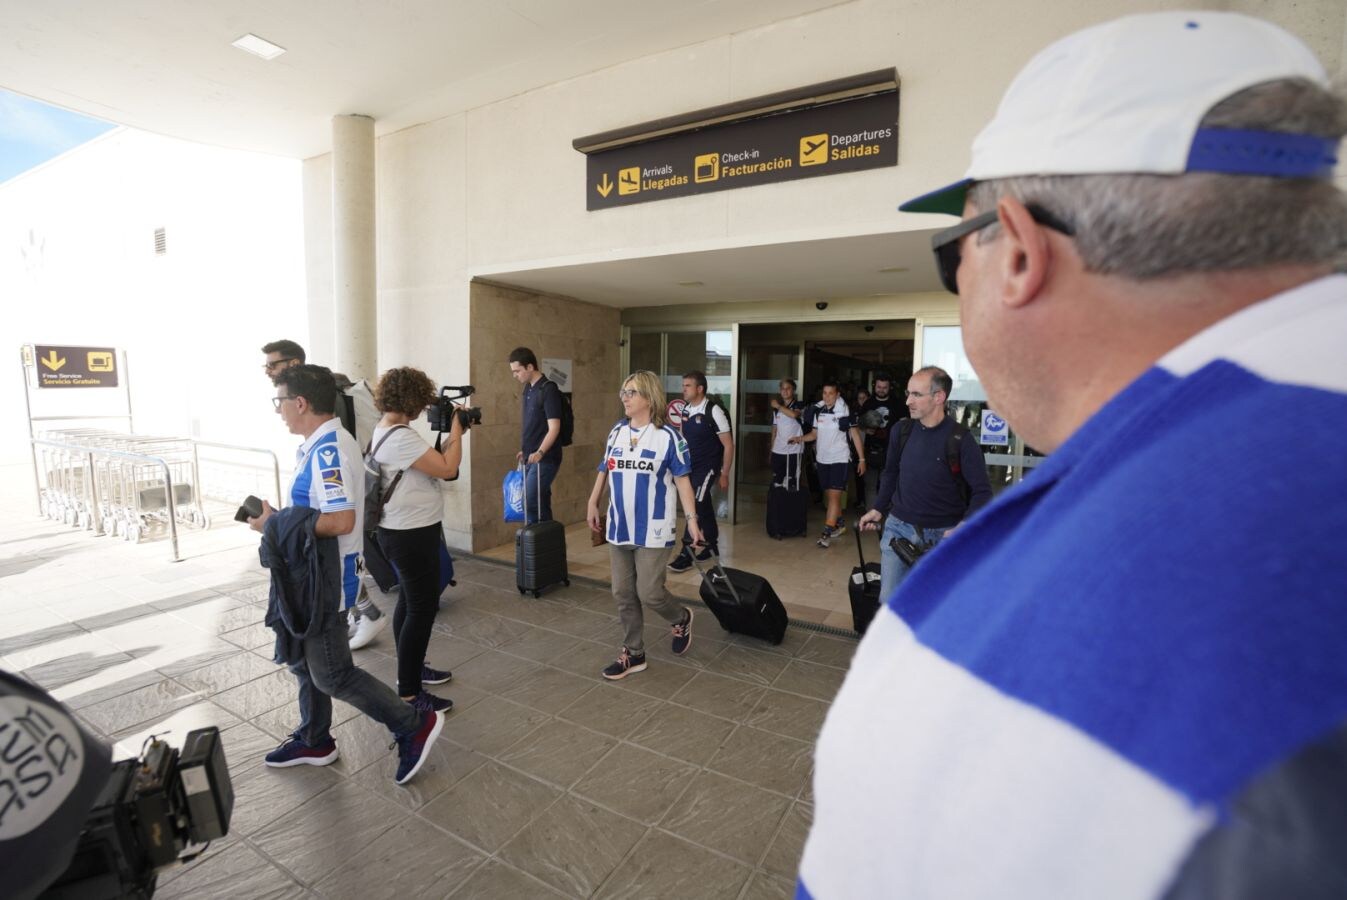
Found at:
(1024, 255)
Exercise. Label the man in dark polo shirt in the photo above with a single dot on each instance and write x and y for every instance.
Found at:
(920, 492)
(540, 438)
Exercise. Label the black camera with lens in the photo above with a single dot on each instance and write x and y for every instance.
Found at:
(148, 815)
(439, 415)
(909, 552)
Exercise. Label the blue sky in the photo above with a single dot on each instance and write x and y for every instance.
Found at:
(32, 133)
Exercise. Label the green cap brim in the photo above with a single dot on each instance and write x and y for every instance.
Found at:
(948, 200)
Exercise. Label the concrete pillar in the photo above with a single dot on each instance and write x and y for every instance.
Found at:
(354, 267)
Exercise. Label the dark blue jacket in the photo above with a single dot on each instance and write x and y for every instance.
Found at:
(305, 579)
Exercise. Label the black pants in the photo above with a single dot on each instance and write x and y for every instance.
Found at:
(415, 554)
(703, 481)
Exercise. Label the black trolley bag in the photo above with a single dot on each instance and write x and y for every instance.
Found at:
(788, 504)
(743, 603)
(540, 553)
(863, 589)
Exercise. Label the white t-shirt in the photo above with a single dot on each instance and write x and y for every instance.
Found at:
(832, 424)
(416, 502)
(787, 428)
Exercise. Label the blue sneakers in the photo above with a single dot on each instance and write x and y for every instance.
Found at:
(682, 634)
(294, 752)
(426, 702)
(413, 748)
(434, 676)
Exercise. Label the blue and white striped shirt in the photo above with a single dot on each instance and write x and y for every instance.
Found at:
(1074, 689)
(642, 464)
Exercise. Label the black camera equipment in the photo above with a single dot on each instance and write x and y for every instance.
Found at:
(907, 551)
(149, 813)
(250, 508)
(439, 414)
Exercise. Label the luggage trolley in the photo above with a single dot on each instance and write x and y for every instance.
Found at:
(142, 504)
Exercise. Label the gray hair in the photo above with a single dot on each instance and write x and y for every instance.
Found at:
(1153, 226)
(940, 380)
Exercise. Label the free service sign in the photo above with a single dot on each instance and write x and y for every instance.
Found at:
(75, 367)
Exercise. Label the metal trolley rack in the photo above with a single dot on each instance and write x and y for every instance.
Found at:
(124, 485)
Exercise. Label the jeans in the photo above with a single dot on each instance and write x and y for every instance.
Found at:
(327, 672)
(893, 570)
(415, 556)
(638, 579)
(703, 485)
(546, 470)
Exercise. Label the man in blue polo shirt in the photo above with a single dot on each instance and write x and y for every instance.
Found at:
(1125, 676)
(540, 435)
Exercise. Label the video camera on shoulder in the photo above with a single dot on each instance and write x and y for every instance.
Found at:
(439, 415)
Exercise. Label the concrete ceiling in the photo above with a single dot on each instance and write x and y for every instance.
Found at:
(802, 270)
(167, 66)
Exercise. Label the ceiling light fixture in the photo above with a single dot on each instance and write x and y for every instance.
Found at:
(691, 284)
(893, 270)
(257, 46)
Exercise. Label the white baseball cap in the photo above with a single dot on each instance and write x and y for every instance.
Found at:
(1127, 96)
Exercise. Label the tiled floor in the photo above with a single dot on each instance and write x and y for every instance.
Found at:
(810, 580)
(691, 779)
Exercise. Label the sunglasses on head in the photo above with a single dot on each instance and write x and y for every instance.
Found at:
(946, 244)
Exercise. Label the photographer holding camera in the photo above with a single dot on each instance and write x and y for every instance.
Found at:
(409, 528)
(934, 477)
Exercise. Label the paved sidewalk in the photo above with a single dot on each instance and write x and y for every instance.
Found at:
(691, 779)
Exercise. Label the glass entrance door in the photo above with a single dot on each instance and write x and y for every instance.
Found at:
(1008, 459)
(761, 368)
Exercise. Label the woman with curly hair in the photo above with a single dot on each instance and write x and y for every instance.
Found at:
(644, 465)
(409, 530)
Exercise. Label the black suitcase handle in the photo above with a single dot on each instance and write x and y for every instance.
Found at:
(860, 550)
(716, 569)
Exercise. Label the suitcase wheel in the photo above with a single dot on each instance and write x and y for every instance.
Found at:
(521, 589)
(566, 581)
(537, 594)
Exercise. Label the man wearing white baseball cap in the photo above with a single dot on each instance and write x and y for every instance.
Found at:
(1126, 677)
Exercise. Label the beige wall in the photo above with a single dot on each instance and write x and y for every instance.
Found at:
(552, 327)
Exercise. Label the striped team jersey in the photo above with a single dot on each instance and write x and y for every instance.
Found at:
(330, 477)
(642, 464)
(1076, 693)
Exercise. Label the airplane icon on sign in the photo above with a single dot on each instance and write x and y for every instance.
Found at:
(814, 149)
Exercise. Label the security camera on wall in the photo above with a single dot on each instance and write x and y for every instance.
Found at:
(821, 305)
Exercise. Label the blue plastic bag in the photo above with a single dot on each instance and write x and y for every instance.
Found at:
(512, 489)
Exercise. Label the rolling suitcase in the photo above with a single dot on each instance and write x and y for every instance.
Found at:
(863, 589)
(540, 553)
(788, 504)
(742, 602)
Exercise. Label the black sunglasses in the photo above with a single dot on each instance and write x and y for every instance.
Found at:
(945, 245)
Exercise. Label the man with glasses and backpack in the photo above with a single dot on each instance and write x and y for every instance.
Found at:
(934, 477)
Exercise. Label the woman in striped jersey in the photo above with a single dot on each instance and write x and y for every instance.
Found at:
(645, 459)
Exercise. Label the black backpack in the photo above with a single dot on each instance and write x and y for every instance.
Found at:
(375, 496)
(952, 444)
(567, 434)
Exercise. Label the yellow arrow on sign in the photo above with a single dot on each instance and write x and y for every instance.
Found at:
(604, 187)
(52, 361)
